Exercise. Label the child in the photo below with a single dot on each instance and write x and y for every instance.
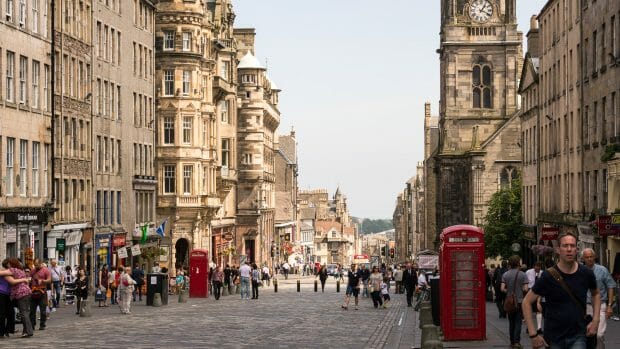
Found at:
(385, 293)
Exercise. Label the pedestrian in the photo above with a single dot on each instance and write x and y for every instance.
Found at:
(218, 277)
(7, 312)
(533, 275)
(340, 272)
(255, 280)
(375, 287)
(322, 274)
(398, 279)
(20, 293)
(81, 289)
(41, 278)
(266, 275)
(126, 289)
(245, 273)
(102, 289)
(227, 274)
(58, 281)
(353, 285)
(114, 279)
(514, 286)
(364, 274)
(410, 282)
(138, 276)
(564, 287)
(605, 284)
(497, 285)
(286, 268)
(385, 294)
(69, 286)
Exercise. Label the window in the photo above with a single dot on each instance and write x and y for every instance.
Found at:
(248, 78)
(225, 152)
(112, 207)
(23, 164)
(615, 115)
(105, 207)
(22, 13)
(187, 41)
(98, 207)
(168, 40)
(106, 48)
(35, 16)
(9, 10)
(247, 159)
(482, 85)
(118, 207)
(508, 175)
(99, 155)
(168, 130)
(10, 66)
(187, 179)
(187, 130)
(224, 68)
(46, 153)
(10, 151)
(23, 72)
(44, 22)
(46, 84)
(186, 82)
(35, 168)
(224, 111)
(612, 31)
(35, 84)
(169, 179)
(168, 82)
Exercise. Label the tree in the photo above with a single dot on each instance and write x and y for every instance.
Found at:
(503, 221)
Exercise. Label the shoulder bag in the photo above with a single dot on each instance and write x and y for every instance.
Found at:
(510, 304)
(590, 341)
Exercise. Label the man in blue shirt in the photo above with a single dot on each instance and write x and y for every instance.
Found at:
(605, 284)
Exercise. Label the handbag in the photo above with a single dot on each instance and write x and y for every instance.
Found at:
(510, 303)
(590, 341)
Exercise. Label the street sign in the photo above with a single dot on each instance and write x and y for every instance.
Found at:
(60, 245)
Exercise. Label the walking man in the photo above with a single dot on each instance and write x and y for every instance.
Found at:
(365, 275)
(564, 287)
(410, 282)
(514, 282)
(58, 280)
(353, 287)
(605, 284)
(244, 272)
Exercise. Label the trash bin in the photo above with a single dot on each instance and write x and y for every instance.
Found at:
(434, 281)
(156, 283)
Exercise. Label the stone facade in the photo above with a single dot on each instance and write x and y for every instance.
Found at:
(287, 224)
(25, 153)
(479, 132)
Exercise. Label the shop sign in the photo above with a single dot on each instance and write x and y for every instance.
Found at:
(60, 245)
(122, 252)
(550, 233)
(119, 240)
(11, 234)
(74, 238)
(615, 220)
(605, 227)
(17, 217)
(135, 250)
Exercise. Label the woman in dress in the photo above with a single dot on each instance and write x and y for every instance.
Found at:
(81, 289)
(20, 292)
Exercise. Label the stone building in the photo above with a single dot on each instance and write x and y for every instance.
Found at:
(258, 119)
(72, 154)
(571, 120)
(401, 225)
(287, 225)
(188, 36)
(478, 152)
(123, 125)
(25, 154)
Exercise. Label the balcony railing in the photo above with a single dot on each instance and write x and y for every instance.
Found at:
(188, 201)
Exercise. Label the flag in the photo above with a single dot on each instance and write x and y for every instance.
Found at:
(145, 229)
(162, 228)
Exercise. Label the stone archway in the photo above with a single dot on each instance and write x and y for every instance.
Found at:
(182, 253)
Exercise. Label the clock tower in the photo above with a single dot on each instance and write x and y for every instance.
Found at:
(480, 63)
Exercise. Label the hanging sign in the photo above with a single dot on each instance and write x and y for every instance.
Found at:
(122, 252)
(135, 250)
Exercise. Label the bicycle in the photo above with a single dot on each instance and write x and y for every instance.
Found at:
(423, 296)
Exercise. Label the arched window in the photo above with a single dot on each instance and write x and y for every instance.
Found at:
(507, 175)
(482, 84)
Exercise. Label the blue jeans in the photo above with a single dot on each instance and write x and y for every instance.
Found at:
(245, 287)
(514, 325)
(574, 342)
(57, 291)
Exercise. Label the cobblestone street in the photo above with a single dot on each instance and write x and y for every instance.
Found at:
(277, 320)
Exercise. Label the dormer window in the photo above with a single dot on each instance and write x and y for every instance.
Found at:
(481, 86)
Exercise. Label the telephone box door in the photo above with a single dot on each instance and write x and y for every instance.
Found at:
(199, 274)
(463, 311)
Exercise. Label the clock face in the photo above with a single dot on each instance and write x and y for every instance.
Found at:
(480, 10)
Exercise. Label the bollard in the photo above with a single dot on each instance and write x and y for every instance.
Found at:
(238, 289)
(429, 332)
(182, 296)
(225, 290)
(316, 286)
(275, 285)
(298, 286)
(85, 308)
(231, 289)
(432, 344)
(338, 286)
(426, 316)
(157, 300)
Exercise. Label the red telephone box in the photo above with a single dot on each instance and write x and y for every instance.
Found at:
(462, 283)
(199, 274)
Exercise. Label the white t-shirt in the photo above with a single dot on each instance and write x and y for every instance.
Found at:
(384, 289)
(422, 280)
(532, 275)
(265, 270)
(245, 270)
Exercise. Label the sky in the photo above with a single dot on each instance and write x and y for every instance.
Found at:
(355, 75)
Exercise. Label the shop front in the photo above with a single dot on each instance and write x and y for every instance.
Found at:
(222, 248)
(24, 230)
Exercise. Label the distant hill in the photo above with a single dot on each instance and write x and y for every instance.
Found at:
(373, 225)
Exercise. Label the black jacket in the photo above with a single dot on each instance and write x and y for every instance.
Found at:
(410, 278)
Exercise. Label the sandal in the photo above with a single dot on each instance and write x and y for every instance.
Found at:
(344, 307)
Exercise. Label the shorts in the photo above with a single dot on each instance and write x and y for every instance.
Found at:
(355, 291)
(386, 297)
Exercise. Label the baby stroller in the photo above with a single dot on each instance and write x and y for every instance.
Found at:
(69, 293)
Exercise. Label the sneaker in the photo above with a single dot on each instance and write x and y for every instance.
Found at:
(615, 318)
